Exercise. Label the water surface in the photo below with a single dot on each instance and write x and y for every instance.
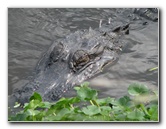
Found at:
(32, 31)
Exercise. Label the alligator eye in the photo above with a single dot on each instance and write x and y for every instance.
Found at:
(80, 58)
(104, 34)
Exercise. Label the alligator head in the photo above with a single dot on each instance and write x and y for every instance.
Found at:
(72, 60)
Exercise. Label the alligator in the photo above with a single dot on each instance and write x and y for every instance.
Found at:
(77, 57)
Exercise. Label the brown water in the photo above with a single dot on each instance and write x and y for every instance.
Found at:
(31, 32)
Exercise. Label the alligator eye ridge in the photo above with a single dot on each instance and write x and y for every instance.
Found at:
(98, 49)
(56, 53)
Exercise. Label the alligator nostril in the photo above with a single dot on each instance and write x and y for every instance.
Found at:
(145, 23)
(127, 32)
(105, 34)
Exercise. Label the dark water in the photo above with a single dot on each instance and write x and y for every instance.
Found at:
(31, 32)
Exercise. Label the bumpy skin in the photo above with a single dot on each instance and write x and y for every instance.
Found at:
(78, 57)
(150, 13)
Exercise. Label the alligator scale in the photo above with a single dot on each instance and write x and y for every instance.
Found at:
(72, 60)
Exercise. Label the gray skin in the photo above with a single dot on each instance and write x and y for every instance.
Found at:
(70, 61)
(78, 57)
(147, 13)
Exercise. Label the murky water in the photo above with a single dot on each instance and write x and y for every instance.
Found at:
(31, 32)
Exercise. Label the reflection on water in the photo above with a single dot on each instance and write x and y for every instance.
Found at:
(31, 31)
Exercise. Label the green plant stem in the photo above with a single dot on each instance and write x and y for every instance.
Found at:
(34, 118)
(71, 106)
(152, 69)
(93, 102)
(144, 109)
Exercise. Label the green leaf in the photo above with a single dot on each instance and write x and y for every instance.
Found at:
(66, 102)
(137, 89)
(45, 105)
(85, 84)
(105, 101)
(124, 101)
(97, 118)
(58, 116)
(105, 110)
(91, 110)
(25, 105)
(32, 112)
(19, 117)
(120, 117)
(76, 88)
(63, 112)
(86, 93)
(33, 104)
(136, 115)
(73, 100)
(84, 117)
(62, 103)
(36, 96)
(153, 111)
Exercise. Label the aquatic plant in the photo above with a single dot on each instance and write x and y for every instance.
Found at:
(141, 104)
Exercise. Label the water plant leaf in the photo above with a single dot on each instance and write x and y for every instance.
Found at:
(105, 110)
(77, 108)
(124, 101)
(86, 84)
(19, 117)
(86, 93)
(136, 115)
(33, 104)
(137, 89)
(32, 112)
(45, 105)
(153, 111)
(36, 96)
(105, 101)
(59, 115)
(91, 110)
